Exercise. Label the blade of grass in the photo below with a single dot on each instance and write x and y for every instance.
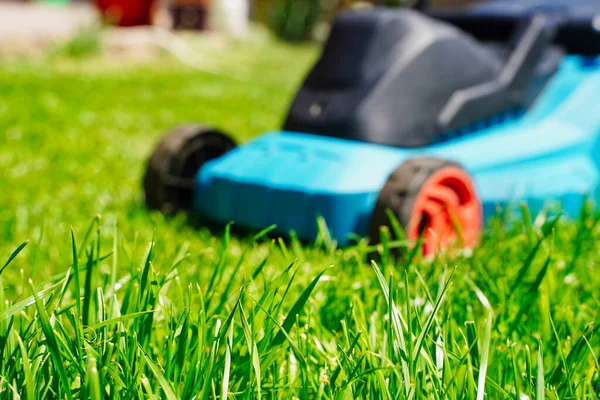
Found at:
(290, 320)
(227, 363)
(253, 351)
(162, 381)
(93, 378)
(23, 304)
(13, 256)
(425, 330)
(540, 385)
(515, 373)
(527, 302)
(26, 363)
(53, 348)
(485, 352)
(398, 327)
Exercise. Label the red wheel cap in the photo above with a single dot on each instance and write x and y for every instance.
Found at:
(447, 210)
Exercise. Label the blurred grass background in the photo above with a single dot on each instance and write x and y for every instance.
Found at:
(77, 132)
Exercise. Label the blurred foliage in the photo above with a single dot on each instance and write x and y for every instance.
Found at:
(296, 20)
(87, 42)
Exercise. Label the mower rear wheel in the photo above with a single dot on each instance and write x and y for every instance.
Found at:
(433, 198)
(169, 178)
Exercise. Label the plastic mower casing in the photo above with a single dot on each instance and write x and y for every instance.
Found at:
(422, 114)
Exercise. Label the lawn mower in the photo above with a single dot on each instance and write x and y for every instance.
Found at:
(429, 118)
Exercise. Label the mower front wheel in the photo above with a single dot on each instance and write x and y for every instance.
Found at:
(431, 198)
(171, 170)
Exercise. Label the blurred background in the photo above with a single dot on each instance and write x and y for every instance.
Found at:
(42, 21)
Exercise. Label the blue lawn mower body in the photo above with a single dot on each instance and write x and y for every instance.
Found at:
(524, 124)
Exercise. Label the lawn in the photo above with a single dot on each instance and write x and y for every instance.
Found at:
(106, 299)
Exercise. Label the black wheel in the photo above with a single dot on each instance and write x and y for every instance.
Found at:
(169, 179)
(433, 198)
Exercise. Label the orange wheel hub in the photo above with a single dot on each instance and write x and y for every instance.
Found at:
(447, 210)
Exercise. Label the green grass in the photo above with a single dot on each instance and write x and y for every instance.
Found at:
(109, 300)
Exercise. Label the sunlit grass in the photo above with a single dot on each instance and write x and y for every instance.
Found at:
(136, 305)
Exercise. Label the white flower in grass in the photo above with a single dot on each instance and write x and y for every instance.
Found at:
(570, 279)
(467, 253)
(293, 367)
(418, 301)
(428, 308)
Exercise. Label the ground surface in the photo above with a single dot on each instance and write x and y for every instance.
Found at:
(211, 314)
(30, 27)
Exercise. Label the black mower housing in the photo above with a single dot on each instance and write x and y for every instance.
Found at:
(399, 77)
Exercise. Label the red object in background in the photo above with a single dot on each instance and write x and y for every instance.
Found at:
(126, 12)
